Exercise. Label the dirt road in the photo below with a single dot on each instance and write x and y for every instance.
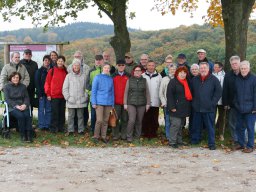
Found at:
(125, 169)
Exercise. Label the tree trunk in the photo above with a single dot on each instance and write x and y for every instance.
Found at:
(121, 41)
(236, 15)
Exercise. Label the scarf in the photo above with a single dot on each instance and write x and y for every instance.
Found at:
(188, 94)
(203, 78)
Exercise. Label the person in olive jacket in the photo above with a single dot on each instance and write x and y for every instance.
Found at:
(179, 99)
(136, 102)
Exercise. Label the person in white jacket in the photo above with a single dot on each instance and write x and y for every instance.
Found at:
(150, 120)
(74, 91)
(220, 74)
(162, 95)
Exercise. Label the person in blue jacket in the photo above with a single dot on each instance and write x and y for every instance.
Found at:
(245, 105)
(102, 100)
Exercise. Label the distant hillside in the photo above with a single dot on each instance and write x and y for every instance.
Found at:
(68, 32)
(158, 44)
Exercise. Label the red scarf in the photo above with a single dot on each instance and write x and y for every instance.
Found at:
(188, 94)
(203, 78)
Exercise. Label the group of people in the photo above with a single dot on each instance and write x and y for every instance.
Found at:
(201, 92)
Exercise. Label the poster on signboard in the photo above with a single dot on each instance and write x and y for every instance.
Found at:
(38, 51)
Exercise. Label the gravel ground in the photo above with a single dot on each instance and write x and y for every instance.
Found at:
(125, 169)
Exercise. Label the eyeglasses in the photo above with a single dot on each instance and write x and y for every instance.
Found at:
(120, 65)
(126, 57)
(28, 54)
(137, 70)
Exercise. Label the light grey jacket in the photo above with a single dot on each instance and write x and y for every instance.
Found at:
(74, 90)
(163, 90)
(8, 69)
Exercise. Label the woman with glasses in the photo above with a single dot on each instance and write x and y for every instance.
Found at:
(136, 102)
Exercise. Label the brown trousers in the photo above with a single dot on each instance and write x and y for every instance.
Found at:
(102, 114)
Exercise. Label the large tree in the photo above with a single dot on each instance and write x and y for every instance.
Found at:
(232, 14)
(52, 12)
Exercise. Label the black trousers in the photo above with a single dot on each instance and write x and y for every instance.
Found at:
(58, 115)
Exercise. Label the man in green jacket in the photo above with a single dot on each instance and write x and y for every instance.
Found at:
(93, 72)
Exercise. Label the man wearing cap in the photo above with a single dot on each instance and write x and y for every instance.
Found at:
(31, 67)
(129, 62)
(14, 66)
(97, 69)
(120, 78)
(182, 61)
(201, 54)
(167, 62)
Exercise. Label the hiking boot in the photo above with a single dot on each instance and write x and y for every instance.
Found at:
(105, 141)
(237, 147)
(247, 150)
(212, 148)
(175, 146)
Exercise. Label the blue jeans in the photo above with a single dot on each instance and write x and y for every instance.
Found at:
(24, 120)
(208, 121)
(44, 113)
(93, 119)
(167, 122)
(245, 121)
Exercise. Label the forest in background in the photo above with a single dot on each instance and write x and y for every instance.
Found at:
(158, 44)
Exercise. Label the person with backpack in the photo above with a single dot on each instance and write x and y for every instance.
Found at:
(53, 89)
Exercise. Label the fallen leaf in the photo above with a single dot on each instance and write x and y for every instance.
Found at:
(66, 143)
(155, 166)
(131, 145)
(195, 155)
(216, 160)
(2, 153)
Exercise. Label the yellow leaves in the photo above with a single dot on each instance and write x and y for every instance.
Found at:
(64, 143)
(216, 161)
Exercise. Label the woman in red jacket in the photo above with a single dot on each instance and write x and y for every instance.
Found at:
(53, 89)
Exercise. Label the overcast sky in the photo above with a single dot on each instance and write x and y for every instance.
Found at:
(145, 18)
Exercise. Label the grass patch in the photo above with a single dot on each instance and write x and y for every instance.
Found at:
(45, 138)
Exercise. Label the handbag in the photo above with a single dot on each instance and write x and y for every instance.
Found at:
(112, 118)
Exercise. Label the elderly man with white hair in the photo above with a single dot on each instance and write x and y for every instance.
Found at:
(245, 104)
(201, 54)
(229, 93)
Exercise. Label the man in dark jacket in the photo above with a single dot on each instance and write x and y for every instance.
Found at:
(206, 90)
(245, 104)
(31, 67)
(229, 94)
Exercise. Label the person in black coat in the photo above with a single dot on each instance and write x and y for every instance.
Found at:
(206, 91)
(228, 95)
(245, 105)
(31, 67)
(44, 108)
(179, 103)
(16, 96)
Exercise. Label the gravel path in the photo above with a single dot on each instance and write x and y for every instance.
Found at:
(125, 169)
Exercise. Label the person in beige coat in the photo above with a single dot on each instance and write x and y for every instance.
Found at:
(75, 95)
(162, 95)
(14, 66)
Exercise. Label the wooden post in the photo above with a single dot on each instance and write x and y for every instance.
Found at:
(60, 49)
(6, 53)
